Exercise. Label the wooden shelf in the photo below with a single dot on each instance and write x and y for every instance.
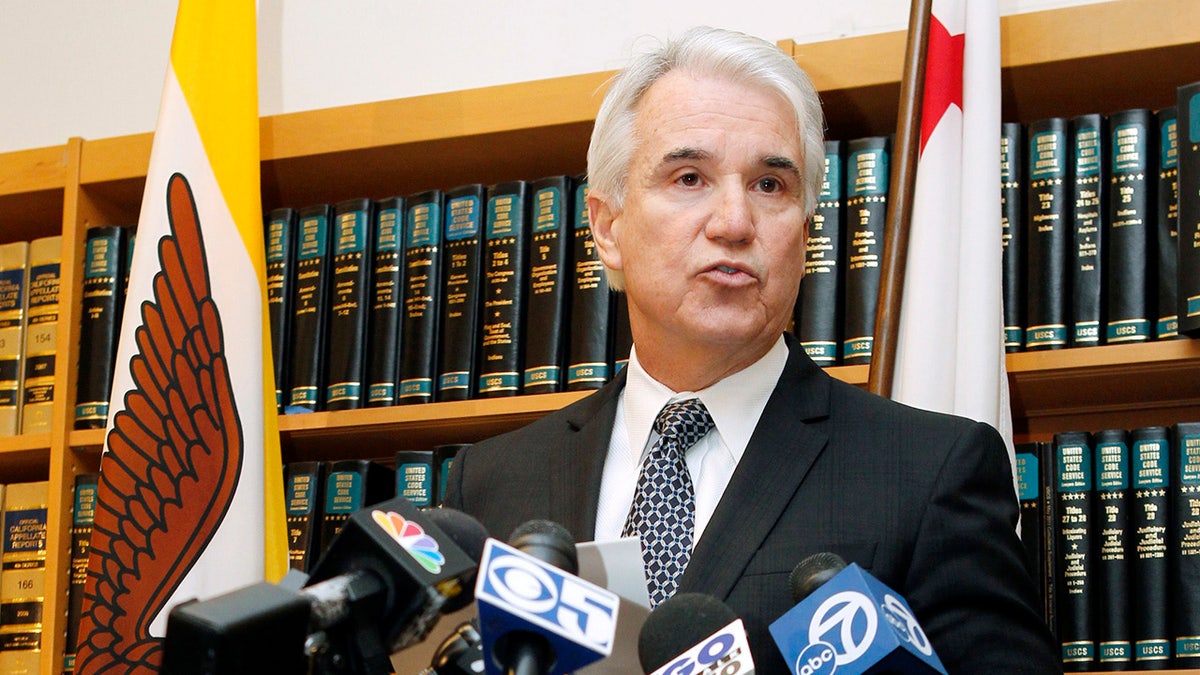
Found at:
(25, 457)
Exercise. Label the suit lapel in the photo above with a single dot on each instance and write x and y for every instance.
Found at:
(575, 469)
(783, 447)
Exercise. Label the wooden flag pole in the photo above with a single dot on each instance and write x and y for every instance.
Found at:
(905, 154)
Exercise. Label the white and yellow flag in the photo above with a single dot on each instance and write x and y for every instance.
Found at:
(190, 500)
(950, 349)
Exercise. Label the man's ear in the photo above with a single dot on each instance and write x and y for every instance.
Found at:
(605, 222)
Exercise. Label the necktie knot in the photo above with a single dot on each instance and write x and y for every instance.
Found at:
(683, 422)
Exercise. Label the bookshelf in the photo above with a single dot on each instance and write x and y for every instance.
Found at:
(1091, 58)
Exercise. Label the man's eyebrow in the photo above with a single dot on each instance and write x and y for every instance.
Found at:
(684, 153)
(778, 162)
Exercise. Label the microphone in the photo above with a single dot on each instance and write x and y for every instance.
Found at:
(536, 616)
(850, 622)
(461, 653)
(694, 634)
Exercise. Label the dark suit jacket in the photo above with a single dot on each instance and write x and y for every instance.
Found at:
(923, 501)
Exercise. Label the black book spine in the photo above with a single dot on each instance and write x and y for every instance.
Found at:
(1012, 223)
(303, 494)
(590, 354)
(1114, 625)
(100, 322)
(818, 307)
(1188, 258)
(1167, 230)
(1089, 170)
(548, 285)
(83, 515)
(1073, 542)
(463, 243)
(622, 333)
(866, 211)
(281, 263)
(422, 296)
(1150, 455)
(309, 307)
(1183, 544)
(349, 304)
(443, 459)
(1050, 525)
(1047, 225)
(387, 284)
(505, 251)
(351, 484)
(1131, 246)
(415, 476)
(1030, 496)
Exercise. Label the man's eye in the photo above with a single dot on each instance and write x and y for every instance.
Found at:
(689, 179)
(769, 185)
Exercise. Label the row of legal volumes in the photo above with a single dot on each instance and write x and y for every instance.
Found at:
(1109, 522)
(473, 292)
(1100, 220)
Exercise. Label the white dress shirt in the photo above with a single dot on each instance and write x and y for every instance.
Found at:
(735, 404)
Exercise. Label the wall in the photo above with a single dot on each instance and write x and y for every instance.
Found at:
(95, 69)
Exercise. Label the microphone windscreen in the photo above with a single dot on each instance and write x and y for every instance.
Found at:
(469, 535)
(677, 625)
(810, 573)
(547, 541)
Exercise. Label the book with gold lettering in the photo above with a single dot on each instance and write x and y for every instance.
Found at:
(83, 514)
(1088, 195)
(303, 497)
(23, 576)
(867, 161)
(1074, 534)
(310, 308)
(349, 304)
(548, 283)
(421, 318)
(506, 247)
(1132, 224)
(281, 263)
(1183, 544)
(415, 476)
(1048, 225)
(349, 485)
(589, 356)
(386, 292)
(99, 324)
(1012, 225)
(818, 316)
(1113, 566)
(461, 269)
(1035, 464)
(41, 334)
(14, 298)
(1150, 472)
(1188, 259)
(1167, 226)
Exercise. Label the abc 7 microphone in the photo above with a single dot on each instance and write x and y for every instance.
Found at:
(694, 634)
(536, 617)
(847, 621)
(380, 587)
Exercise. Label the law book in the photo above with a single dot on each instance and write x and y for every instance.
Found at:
(1150, 455)
(386, 293)
(443, 459)
(349, 485)
(1075, 595)
(1035, 490)
(23, 576)
(83, 514)
(461, 292)
(102, 304)
(422, 296)
(622, 334)
(1012, 221)
(416, 476)
(14, 298)
(866, 212)
(303, 497)
(506, 248)
(1113, 568)
(310, 308)
(1089, 169)
(1188, 255)
(1131, 295)
(1047, 224)
(1166, 213)
(41, 334)
(818, 316)
(548, 284)
(589, 358)
(349, 304)
(281, 264)
(1183, 544)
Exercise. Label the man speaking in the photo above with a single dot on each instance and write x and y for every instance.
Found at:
(722, 446)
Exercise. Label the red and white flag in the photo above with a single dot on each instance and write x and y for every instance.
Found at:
(950, 350)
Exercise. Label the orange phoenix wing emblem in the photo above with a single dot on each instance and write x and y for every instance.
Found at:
(173, 460)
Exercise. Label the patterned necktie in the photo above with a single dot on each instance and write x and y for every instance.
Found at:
(664, 507)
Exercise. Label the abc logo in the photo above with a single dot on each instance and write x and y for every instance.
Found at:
(848, 620)
(819, 658)
(708, 659)
(906, 624)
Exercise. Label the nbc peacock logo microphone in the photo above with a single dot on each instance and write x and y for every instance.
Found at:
(412, 538)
